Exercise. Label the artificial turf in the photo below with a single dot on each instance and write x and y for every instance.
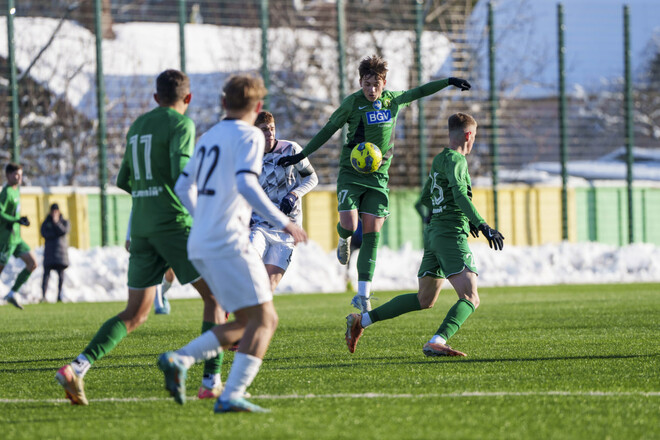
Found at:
(543, 362)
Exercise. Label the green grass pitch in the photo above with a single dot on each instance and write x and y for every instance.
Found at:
(553, 362)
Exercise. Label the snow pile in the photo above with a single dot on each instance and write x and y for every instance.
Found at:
(100, 274)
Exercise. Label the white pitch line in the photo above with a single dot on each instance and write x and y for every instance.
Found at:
(375, 396)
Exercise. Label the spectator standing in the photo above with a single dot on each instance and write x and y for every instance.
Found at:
(56, 251)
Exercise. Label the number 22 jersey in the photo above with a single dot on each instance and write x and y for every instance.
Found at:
(221, 217)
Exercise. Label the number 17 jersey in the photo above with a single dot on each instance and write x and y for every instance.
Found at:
(221, 218)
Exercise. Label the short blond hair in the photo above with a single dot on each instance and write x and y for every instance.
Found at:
(460, 122)
(242, 92)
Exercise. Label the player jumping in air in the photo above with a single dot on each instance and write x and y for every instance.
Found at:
(371, 116)
(446, 252)
(11, 243)
(285, 187)
(159, 145)
(218, 186)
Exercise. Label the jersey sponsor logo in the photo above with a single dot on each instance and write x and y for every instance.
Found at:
(379, 117)
(362, 107)
(152, 191)
(377, 104)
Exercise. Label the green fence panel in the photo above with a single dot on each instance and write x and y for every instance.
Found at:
(119, 207)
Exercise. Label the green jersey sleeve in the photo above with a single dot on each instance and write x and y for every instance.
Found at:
(123, 177)
(459, 180)
(182, 144)
(419, 92)
(336, 121)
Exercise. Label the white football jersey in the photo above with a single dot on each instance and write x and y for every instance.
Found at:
(222, 215)
(278, 181)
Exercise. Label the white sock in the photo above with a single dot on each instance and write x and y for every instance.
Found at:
(211, 380)
(200, 349)
(165, 285)
(243, 371)
(158, 299)
(364, 288)
(437, 339)
(80, 365)
(366, 320)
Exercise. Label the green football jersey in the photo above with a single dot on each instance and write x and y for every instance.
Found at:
(158, 146)
(10, 208)
(448, 193)
(370, 122)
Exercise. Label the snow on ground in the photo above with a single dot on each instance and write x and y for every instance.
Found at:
(99, 274)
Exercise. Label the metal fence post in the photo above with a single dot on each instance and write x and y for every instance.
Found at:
(493, 109)
(182, 36)
(13, 83)
(101, 131)
(630, 131)
(341, 49)
(563, 143)
(265, 73)
(421, 120)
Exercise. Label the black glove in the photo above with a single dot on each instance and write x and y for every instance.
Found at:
(24, 221)
(287, 161)
(287, 203)
(495, 239)
(474, 230)
(460, 83)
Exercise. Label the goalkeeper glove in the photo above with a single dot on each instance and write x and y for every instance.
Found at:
(495, 239)
(24, 221)
(474, 230)
(287, 161)
(287, 203)
(460, 83)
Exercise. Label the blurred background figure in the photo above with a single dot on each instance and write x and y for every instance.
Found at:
(56, 251)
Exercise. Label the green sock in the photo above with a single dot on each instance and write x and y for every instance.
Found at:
(343, 233)
(21, 279)
(213, 365)
(366, 263)
(108, 336)
(396, 306)
(455, 318)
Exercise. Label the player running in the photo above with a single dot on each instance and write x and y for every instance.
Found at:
(371, 116)
(159, 145)
(285, 187)
(11, 243)
(218, 186)
(447, 194)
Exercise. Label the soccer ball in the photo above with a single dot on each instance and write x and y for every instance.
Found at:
(366, 157)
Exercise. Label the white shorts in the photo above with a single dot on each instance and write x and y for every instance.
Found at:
(275, 247)
(238, 281)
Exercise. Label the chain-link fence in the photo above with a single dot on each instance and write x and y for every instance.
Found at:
(56, 65)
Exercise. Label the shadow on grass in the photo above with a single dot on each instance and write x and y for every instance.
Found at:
(388, 360)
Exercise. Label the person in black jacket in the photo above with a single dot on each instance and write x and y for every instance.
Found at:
(56, 251)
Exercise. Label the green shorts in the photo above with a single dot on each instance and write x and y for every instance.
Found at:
(445, 255)
(151, 256)
(14, 248)
(367, 194)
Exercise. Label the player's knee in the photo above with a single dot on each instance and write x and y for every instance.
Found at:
(426, 303)
(474, 299)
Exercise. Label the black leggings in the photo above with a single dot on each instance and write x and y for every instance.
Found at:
(60, 273)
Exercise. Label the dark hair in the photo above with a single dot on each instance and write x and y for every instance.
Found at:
(461, 121)
(54, 206)
(242, 92)
(373, 66)
(172, 86)
(264, 118)
(12, 167)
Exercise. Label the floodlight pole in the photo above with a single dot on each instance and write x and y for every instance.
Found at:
(630, 127)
